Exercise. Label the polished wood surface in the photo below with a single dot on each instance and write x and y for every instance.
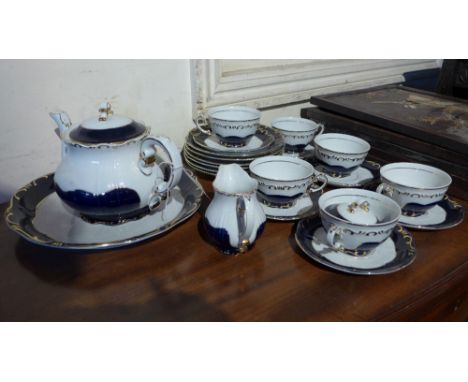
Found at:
(181, 277)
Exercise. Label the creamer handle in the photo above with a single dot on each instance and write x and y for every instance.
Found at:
(241, 215)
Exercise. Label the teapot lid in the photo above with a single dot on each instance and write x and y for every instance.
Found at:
(107, 128)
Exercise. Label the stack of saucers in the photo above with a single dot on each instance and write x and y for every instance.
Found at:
(204, 153)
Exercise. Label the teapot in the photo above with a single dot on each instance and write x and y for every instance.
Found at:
(112, 169)
(234, 219)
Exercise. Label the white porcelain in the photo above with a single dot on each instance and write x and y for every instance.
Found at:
(297, 132)
(282, 179)
(109, 179)
(433, 216)
(233, 125)
(383, 254)
(303, 207)
(254, 143)
(341, 150)
(48, 222)
(306, 154)
(414, 186)
(393, 254)
(234, 219)
(356, 178)
(345, 234)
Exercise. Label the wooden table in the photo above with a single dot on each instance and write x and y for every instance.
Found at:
(181, 277)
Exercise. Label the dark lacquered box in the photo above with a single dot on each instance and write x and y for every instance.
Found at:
(402, 124)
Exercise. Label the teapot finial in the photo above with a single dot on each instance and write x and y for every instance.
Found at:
(105, 109)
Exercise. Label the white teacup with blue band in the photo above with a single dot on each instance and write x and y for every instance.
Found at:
(297, 132)
(357, 236)
(340, 153)
(284, 179)
(234, 126)
(415, 187)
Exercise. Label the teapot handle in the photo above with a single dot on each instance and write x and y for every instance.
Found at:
(172, 170)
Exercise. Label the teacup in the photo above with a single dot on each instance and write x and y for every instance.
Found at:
(415, 187)
(284, 179)
(234, 126)
(297, 132)
(340, 153)
(354, 237)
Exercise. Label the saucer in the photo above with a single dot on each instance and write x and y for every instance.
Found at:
(445, 214)
(360, 177)
(203, 154)
(306, 154)
(204, 169)
(265, 141)
(38, 215)
(395, 253)
(216, 159)
(213, 143)
(303, 207)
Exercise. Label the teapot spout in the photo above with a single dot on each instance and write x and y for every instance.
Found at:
(63, 122)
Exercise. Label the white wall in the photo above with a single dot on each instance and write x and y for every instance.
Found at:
(156, 92)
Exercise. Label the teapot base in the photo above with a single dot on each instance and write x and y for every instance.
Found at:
(116, 218)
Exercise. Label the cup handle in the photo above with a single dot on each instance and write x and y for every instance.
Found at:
(321, 129)
(320, 177)
(201, 121)
(332, 233)
(384, 189)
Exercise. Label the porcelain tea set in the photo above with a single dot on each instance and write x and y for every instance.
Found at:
(117, 185)
(359, 231)
(227, 135)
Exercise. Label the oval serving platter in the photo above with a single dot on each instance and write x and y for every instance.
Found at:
(37, 214)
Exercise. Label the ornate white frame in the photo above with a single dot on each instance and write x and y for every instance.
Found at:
(291, 81)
